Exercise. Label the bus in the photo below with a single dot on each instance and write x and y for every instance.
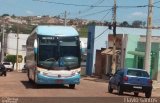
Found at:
(53, 55)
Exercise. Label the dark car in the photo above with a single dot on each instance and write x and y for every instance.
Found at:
(131, 80)
(3, 70)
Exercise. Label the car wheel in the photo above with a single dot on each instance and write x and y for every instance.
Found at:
(110, 90)
(148, 94)
(72, 86)
(120, 91)
(136, 94)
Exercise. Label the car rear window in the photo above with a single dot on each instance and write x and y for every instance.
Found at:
(6, 63)
(138, 73)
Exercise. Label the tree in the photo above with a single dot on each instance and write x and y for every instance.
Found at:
(92, 23)
(13, 59)
(137, 23)
(106, 23)
(5, 15)
(144, 23)
(124, 24)
(26, 29)
(83, 31)
(13, 16)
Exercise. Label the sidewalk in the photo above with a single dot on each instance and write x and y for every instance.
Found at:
(156, 84)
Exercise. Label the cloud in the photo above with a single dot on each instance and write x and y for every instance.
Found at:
(139, 14)
(29, 12)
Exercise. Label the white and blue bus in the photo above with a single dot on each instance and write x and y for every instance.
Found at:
(53, 55)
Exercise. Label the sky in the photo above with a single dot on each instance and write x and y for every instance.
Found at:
(37, 8)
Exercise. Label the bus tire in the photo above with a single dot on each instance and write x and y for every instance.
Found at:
(72, 86)
(30, 80)
(37, 86)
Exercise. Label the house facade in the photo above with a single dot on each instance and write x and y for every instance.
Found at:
(11, 46)
(130, 49)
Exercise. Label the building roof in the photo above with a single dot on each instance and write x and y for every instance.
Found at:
(50, 30)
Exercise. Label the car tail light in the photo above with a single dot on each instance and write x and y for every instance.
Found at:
(150, 81)
(125, 78)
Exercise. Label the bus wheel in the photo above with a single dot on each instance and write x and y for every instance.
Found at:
(37, 86)
(72, 86)
(30, 80)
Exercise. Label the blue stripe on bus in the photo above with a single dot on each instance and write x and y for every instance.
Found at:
(41, 79)
(35, 50)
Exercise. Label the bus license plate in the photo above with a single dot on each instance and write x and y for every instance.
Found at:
(59, 81)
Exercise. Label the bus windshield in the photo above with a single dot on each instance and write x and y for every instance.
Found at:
(57, 53)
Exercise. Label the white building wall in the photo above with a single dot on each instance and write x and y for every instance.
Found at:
(12, 46)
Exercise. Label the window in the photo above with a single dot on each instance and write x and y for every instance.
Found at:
(137, 73)
(24, 47)
(120, 72)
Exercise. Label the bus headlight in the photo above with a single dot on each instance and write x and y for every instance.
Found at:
(74, 73)
(44, 73)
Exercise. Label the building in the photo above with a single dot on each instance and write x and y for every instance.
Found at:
(130, 51)
(83, 48)
(11, 46)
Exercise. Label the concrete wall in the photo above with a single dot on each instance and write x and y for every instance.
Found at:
(12, 45)
(131, 46)
(97, 40)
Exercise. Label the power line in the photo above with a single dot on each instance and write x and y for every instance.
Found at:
(96, 12)
(157, 6)
(104, 16)
(90, 8)
(101, 34)
(69, 4)
(156, 2)
(100, 6)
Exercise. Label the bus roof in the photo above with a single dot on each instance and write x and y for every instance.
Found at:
(50, 30)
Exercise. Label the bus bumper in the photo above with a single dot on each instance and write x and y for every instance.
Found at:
(42, 79)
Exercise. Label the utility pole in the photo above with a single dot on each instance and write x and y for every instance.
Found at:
(17, 47)
(65, 18)
(148, 37)
(2, 43)
(114, 39)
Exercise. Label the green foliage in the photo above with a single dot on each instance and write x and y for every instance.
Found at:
(5, 15)
(13, 16)
(92, 23)
(137, 23)
(13, 59)
(25, 29)
(83, 31)
(124, 24)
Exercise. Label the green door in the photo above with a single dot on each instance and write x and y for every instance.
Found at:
(140, 62)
